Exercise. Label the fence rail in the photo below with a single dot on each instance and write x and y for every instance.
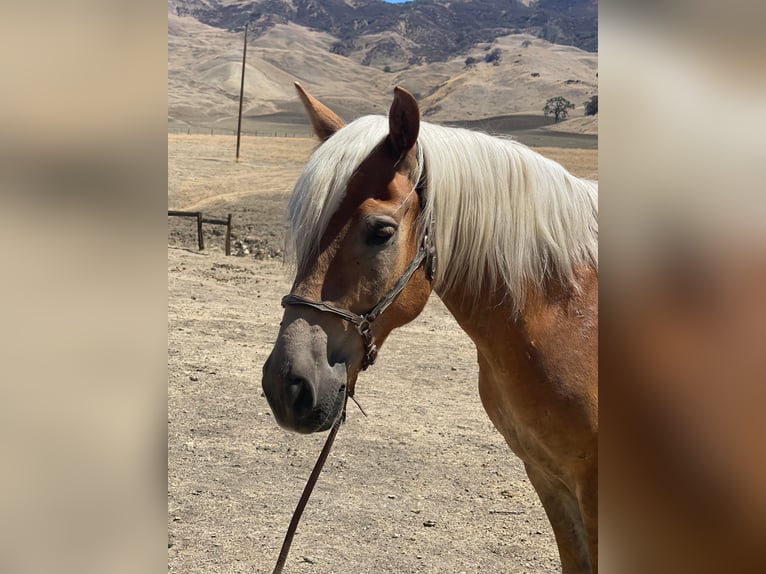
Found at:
(199, 216)
(275, 133)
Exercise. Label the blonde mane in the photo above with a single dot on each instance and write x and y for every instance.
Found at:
(502, 212)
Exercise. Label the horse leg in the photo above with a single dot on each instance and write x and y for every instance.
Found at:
(576, 531)
(563, 510)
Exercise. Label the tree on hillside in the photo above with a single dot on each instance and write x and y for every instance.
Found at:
(558, 107)
(591, 106)
(494, 57)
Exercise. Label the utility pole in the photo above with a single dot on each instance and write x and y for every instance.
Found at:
(241, 91)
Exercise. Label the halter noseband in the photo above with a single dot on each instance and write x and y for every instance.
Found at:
(363, 322)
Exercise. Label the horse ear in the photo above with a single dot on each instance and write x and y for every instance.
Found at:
(324, 121)
(403, 122)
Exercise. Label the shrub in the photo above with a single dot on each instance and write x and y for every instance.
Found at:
(494, 57)
(591, 106)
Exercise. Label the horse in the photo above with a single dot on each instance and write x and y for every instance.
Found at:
(389, 210)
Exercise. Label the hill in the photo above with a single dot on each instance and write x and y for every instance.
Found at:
(412, 32)
(204, 64)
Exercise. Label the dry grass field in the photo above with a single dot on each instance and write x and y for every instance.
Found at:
(423, 484)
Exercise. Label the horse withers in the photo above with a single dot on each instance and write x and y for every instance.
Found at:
(388, 210)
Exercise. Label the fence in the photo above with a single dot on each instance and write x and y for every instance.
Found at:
(274, 133)
(202, 219)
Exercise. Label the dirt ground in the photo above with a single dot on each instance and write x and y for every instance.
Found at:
(423, 484)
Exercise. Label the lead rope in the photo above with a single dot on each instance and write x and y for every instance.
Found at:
(308, 489)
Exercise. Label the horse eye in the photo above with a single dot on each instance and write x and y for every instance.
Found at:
(380, 233)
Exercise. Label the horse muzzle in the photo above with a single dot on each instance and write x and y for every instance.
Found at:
(305, 392)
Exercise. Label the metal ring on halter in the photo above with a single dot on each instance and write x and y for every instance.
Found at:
(370, 349)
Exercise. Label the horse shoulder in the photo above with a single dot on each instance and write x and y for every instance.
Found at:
(560, 327)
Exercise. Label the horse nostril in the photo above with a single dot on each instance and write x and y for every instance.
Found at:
(300, 396)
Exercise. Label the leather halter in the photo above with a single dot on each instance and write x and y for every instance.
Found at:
(363, 322)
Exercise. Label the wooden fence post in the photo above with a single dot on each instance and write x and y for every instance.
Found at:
(228, 235)
(200, 239)
(202, 219)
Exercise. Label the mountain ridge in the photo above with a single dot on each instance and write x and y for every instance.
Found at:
(437, 29)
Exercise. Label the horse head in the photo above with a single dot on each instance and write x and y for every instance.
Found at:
(362, 261)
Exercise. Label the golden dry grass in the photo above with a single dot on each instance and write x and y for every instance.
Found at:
(581, 162)
(202, 170)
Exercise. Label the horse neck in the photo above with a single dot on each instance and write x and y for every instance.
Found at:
(556, 324)
(488, 319)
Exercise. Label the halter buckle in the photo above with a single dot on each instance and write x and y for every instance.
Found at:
(370, 349)
(430, 259)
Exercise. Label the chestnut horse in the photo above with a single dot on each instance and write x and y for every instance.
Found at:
(386, 211)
